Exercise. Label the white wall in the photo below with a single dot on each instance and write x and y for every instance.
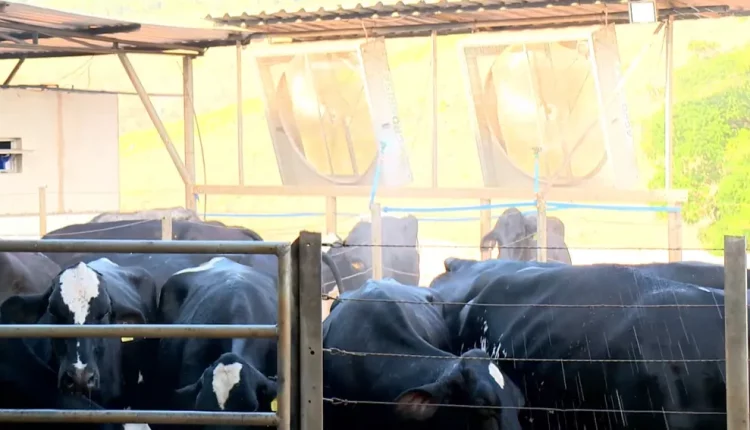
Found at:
(89, 153)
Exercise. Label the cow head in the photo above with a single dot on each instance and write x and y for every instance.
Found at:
(229, 384)
(400, 254)
(79, 295)
(473, 381)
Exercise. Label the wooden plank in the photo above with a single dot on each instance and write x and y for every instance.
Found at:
(674, 235)
(310, 332)
(736, 332)
(376, 223)
(485, 225)
(60, 143)
(166, 227)
(188, 116)
(42, 211)
(541, 228)
(331, 215)
(594, 195)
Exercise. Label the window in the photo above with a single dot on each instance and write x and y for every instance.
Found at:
(10, 155)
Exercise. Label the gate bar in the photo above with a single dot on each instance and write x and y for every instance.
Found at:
(145, 246)
(284, 375)
(217, 331)
(265, 419)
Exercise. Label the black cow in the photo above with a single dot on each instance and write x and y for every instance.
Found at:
(25, 273)
(353, 255)
(581, 339)
(218, 292)
(159, 265)
(513, 235)
(690, 272)
(26, 382)
(99, 292)
(391, 318)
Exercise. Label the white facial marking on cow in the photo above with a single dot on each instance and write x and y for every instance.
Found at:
(497, 375)
(704, 289)
(107, 260)
(203, 267)
(136, 426)
(140, 378)
(225, 377)
(78, 286)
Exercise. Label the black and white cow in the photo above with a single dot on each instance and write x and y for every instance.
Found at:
(513, 234)
(353, 255)
(99, 292)
(390, 318)
(161, 266)
(690, 272)
(581, 339)
(25, 273)
(238, 372)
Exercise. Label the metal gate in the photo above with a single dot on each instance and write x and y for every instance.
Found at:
(291, 257)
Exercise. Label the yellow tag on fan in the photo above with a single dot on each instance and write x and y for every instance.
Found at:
(126, 339)
(274, 405)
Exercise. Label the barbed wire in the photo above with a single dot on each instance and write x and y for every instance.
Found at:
(520, 305)
(340, 401)
(467, 246)
(338, 351)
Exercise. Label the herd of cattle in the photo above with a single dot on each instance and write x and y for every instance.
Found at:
(502, 344)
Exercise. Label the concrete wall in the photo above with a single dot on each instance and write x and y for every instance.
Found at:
(72, 138)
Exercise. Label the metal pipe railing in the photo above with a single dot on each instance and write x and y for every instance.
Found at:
(282, 418)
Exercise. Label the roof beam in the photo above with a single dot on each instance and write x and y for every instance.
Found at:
(30, 31)
(94, 51)
(53, 32)
(13, 72)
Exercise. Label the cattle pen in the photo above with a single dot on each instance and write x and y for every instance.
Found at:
(299, 332)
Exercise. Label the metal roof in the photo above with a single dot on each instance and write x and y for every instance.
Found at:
(34, 32)
(405, 19)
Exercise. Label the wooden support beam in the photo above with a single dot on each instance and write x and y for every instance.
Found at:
(13, 72)
(188, 116)
(668, 98)
(60, 142)
(158, 124)
(240, 120)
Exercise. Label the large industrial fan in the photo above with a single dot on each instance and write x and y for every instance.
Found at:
(550, 94)
(329, 113)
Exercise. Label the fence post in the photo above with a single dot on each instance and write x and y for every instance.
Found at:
(310, 332)
(674, 234)
(376, 224)
(166, 227)
(42, 211)
(331, 215)
(541, 228)
(485, 225)
(735, 329)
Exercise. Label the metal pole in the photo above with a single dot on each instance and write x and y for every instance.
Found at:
(376, 224)
(240, 125)
(668, 97)
(331, 215)
(284, 378)
(259, 419)
(735, 310)
(485, 225)
(139, 330)
(144, 246)
(434, 110)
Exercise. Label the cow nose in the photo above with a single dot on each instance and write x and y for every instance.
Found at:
(77, 379)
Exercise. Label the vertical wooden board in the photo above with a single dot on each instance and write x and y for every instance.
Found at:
(376, 223)
(310, 332)
(736, 332)
(485, 225)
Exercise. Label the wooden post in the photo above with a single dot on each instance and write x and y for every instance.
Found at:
(166, 227)
(60, 140)
(188, 117)
(42, 211)
(674, 234)
(376, 224)
(434, 110)
(735, 320)
(240, 124)
(485, 225)
(331, 215)
(541, 228)
(310, 332)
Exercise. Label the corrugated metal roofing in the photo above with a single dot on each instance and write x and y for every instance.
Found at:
(30, 31)
(448, 16)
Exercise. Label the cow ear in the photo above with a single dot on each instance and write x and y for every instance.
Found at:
(26, 309)
(187, 396)
(417, 404)
(173, 294)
